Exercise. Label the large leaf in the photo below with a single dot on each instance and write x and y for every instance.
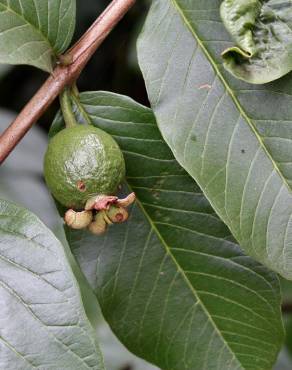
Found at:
(263, 32)
(233, 138)
(171, 282)
(34, 32)
(43, 323)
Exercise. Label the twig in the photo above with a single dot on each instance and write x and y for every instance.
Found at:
(79, 55)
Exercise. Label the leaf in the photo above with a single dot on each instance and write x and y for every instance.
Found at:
(43, 323)
(34, 32)
(173, 285)
(233, 138)
(263, 33)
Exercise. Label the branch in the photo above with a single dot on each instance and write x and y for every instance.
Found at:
(79, 55)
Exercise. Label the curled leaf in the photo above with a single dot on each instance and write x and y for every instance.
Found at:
(262, 31)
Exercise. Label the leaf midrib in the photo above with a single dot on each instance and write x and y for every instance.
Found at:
(182, 273)
(38, 30)
(231, 92)
(18, 354)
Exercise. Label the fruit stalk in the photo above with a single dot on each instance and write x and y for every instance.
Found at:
(67, 110)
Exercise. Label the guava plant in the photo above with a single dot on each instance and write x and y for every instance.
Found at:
(178, 215)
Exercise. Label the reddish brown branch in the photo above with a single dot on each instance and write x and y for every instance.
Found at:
(62, 76)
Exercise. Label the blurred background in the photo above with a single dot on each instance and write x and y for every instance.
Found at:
(114, 68)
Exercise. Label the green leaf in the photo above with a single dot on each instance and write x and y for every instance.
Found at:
(233, 138)
(34, 32)
(263, 33)
(173, 285)
(43, 323)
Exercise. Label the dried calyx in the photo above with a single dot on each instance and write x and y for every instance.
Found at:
(78, 220)
(100, 211)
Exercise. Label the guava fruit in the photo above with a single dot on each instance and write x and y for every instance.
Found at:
(82, 163)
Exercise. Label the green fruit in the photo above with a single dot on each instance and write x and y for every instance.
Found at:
(81, 162)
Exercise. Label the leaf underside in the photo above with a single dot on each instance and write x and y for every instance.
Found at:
(34, 32)
(171, 282)
(233, 138)
(43, 323)
(263, 33)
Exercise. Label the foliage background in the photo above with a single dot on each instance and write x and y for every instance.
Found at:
(114, 67)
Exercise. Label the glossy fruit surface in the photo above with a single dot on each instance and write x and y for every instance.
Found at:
(80, 162)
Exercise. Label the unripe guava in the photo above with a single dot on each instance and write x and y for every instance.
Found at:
(81, 162)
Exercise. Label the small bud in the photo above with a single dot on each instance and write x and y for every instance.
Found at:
(117, 214)
(65, 60)
(126, 202)
(78, 220)
(99, 225)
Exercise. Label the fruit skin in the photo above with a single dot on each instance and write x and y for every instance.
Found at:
(80, 162)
